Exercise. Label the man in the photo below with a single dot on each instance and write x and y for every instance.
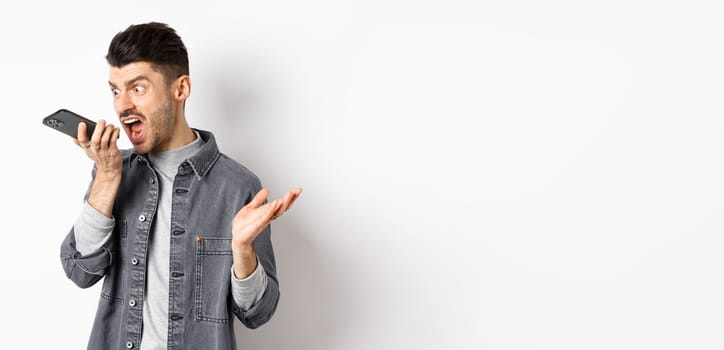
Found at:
(178, 231)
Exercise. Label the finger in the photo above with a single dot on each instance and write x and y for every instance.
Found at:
(270, 214)
(82, 135)
(295, 194)
(285, 202)
(97, 133)
(78, 143)
(265, 213)
(116, 136)
(107, 136)
(258, 199)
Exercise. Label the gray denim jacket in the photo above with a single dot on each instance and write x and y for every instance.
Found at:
(208, 191)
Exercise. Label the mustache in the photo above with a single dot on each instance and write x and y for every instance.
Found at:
(131, 112)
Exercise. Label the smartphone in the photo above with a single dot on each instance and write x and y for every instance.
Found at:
(67, 122)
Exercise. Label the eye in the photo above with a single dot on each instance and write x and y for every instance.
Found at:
(139, 90)
(115, 91)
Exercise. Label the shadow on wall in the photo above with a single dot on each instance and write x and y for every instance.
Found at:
(311, 312)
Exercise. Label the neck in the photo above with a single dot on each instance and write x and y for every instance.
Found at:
(185, 135)
(181, 135)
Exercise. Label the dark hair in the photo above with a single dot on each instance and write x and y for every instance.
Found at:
(153, 42)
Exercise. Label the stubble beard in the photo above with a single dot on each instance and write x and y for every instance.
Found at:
(162, 131)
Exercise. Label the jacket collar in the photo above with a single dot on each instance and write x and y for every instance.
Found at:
(201, 162)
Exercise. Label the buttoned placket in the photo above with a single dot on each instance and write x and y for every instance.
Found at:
(180, 198)
(139, 253)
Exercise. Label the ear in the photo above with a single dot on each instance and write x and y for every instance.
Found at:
(182, 88)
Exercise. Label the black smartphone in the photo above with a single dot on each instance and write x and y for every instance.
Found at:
(67, 122)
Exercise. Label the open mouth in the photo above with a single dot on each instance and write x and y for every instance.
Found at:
(134, 129)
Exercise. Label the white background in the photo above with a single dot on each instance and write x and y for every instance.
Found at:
(477, 174)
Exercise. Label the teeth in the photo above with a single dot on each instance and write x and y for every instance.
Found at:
(130, 121)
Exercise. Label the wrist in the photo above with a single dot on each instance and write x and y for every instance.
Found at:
(245, 261)
(243, 251)
(103, 192)
(108, 175)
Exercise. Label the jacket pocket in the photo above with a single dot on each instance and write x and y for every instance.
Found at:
(114, 283)
(213, 276)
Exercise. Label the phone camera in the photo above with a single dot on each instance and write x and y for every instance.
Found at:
(54, 123)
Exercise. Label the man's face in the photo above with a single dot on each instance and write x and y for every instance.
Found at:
(144, 105)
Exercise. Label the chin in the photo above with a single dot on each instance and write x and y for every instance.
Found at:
(141, 148)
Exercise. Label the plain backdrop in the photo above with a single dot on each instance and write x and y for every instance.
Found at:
(476, 174)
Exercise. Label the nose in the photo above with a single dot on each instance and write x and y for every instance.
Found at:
(123, 102)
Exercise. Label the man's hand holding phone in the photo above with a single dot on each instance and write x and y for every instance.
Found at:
(102, 148)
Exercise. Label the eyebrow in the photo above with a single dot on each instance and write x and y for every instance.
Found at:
(130, 82)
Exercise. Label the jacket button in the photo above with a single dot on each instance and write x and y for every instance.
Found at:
(152, 181)
(129, 345)
(132, 303)
(142, 218)
(134, 261)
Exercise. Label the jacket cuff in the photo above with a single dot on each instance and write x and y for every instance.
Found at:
(92, 230)
(250, 290)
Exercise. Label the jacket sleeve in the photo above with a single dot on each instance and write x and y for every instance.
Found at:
(262, 311)
(84, 270)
